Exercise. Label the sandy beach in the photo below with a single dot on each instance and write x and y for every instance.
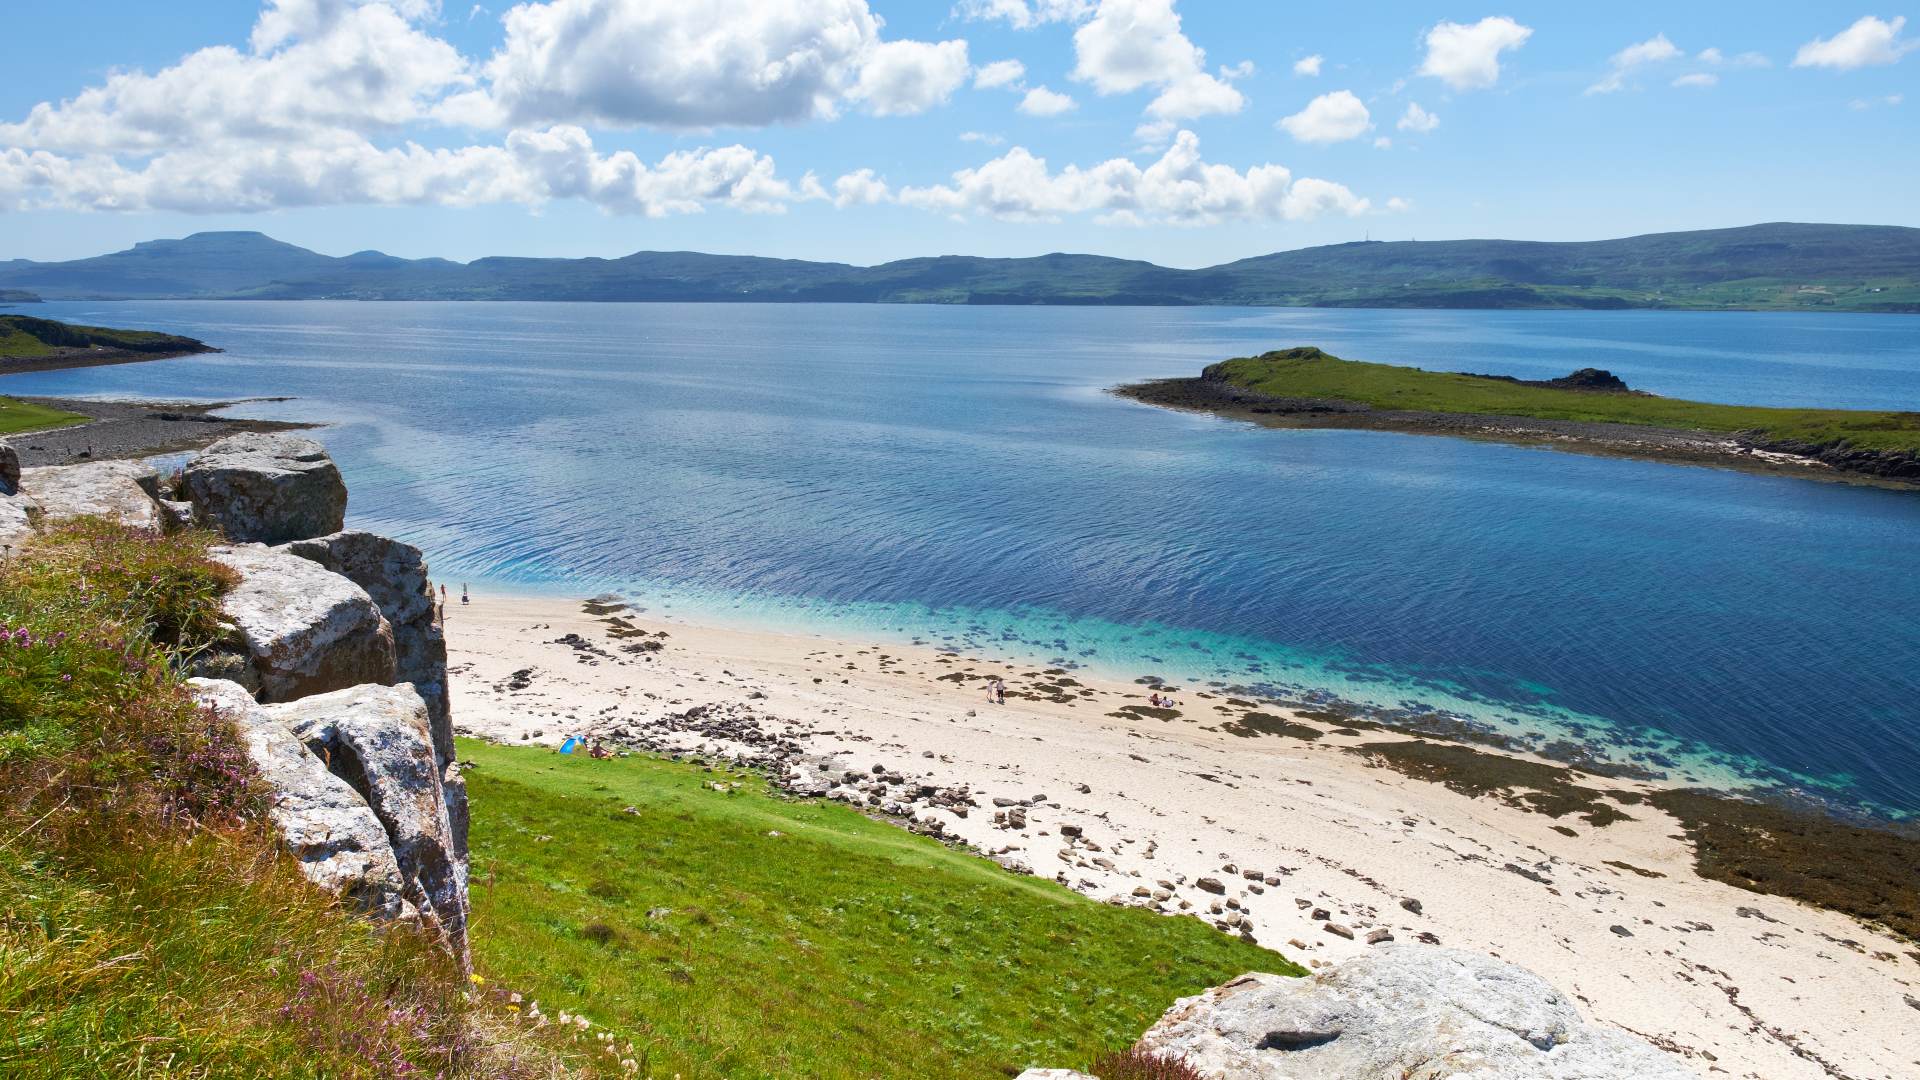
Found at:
(1242, 813)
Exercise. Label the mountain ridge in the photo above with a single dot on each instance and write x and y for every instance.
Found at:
(1772, 266)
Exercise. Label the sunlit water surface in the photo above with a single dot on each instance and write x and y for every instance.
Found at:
(958, 476)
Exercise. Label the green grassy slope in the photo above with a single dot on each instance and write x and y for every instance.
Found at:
(1310, 373)
(18, 416)
(741, 935)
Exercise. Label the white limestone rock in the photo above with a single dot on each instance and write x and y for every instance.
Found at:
(308, 630)
(119, 490)
(327, 825)
(264, 487)
(377, 739)
(1408, 1011)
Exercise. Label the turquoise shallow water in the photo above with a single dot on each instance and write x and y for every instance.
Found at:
(958, 476)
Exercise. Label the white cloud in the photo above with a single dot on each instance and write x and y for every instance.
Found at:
(999, 73)
(1715, 58)
(1868, 42)
(1131, 44)
(530, 168)
(1309, 66)
(1699, 79)
(1026, 14)
(982, 137)
(1179, 188)
(313, 67)
(859, 188)
(1382, 142)
(719, 62)
(1154, 135)
(1656, 49)
(1398, 205)
(1417, 119)
(1868, 103)
(1041, 101)
(1329, 118)
(901, 78)
(1468, 57)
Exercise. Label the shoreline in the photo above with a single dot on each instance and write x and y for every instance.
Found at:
(95, 357)
(1326, 823)
(1668, 446)
(134, 429)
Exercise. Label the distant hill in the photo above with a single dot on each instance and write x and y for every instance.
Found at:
(18, 296)
(1763, 267)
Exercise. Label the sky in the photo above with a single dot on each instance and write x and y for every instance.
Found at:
(1185, 132)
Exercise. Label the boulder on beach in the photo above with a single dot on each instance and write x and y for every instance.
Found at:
(9, 470)
(308, 630)
(1408, 1011)
(268, 488)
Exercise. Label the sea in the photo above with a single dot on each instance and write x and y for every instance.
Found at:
(961, 477)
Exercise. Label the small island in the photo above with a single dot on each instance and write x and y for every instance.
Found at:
(28, 343)
(1591, 411)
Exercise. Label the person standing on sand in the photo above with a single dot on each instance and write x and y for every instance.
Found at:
(463, 594)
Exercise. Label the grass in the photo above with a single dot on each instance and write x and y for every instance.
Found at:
(1310, 373)
(733, 933)
(18, 416)
(149, 923)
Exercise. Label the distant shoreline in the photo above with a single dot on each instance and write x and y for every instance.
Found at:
(86, 358)
(1220, 398)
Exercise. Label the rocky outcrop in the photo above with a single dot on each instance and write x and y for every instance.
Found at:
(1414, 1012)
(121, 490)
(376, 738)
(266, 488)
(307, 630)
(323, 821)
(9, 470)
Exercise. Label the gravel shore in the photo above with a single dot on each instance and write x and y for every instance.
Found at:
(131, 429)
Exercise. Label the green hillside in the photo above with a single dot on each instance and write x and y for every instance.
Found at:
(1780, 266)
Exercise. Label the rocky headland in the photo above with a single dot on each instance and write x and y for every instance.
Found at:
(333, 667)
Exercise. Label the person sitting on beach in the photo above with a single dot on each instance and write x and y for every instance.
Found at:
(1154, 699)
(598, 751)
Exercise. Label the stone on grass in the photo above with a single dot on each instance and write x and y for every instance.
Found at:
(269, 488)
(119, 490)
(377, 739)
(327, 825)
(1406, 1011)
(309, 631)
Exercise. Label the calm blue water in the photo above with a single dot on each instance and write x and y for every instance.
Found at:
(957, 475)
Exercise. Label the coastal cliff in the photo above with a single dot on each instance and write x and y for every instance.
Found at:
(331, 661)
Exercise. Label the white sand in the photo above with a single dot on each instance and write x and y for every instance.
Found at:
(1782, 991)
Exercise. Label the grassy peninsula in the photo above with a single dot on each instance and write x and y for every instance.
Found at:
(1307, 387)
(28, 343)
(18, 416)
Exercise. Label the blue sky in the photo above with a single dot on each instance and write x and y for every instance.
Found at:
(1183, 132)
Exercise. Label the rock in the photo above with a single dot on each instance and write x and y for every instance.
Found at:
(1212, 885)
(1620, 931)
(1337, 930)
(9, 470)
(1070, 831)
(120, 490)
(1410, 904)
(323, 821)
(377, 738)
(1404, 1011)
(1375, 937)
(395, 577)
(309, 631)
(269, 488)
(16, 524)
